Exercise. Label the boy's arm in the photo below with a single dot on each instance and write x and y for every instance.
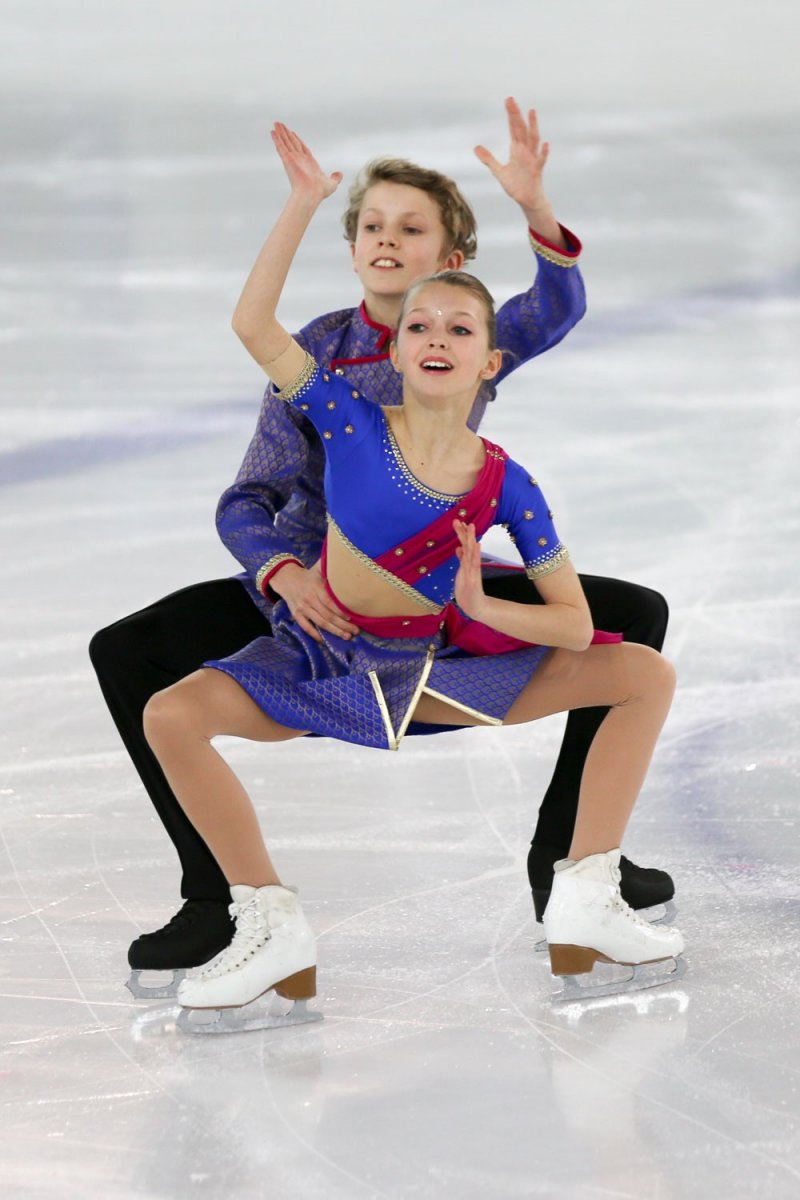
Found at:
(273, 467)
(521, 177)
(538, 319)
(254, 319)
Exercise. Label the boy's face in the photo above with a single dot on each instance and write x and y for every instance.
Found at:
(400, 237)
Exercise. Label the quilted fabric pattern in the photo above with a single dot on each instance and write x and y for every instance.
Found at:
(325, 688)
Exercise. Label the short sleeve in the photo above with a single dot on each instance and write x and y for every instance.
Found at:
(337, 410)
(527, 516)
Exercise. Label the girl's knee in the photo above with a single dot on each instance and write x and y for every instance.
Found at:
(655, 673)
(166, 715)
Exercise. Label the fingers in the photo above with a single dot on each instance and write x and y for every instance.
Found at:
(307, 627)
(517, 128)
(487, 158)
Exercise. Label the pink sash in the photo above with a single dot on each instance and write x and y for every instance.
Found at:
(428, 549)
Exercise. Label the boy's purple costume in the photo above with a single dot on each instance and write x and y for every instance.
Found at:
(275, 511)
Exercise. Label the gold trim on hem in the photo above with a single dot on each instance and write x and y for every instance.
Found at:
(419, 689)
(382, 705)
(398, 584)
(394, 739)
(555, 560)
(472, 712)
(552, 255)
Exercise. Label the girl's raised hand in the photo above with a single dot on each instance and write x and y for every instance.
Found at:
(305, 174)
(469, 593)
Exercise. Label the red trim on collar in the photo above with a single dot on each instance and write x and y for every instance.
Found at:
(384, 330)
(354, 362)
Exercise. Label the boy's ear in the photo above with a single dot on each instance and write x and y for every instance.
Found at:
(353, 254)
(493, 364)
(454, 261)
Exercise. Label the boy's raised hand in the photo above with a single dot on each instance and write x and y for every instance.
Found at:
(521, 176)
(305, 174)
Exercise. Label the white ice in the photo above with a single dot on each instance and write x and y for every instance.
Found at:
(137, 183)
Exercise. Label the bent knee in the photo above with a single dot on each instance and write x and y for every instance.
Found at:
(167, 714)
(651, 671)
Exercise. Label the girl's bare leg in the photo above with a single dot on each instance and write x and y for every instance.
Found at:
(179, 724)
(637, 684)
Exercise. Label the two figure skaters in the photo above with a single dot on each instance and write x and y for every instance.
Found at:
(402, 222)
(410, 489)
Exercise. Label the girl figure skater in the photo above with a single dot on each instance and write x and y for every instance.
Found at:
(410, 490)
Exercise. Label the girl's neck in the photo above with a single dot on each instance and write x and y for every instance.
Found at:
(433, 435)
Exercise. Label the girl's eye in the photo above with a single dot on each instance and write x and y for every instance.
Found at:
(411, 229)
(461, 330)
(370, 227)
(415, 327)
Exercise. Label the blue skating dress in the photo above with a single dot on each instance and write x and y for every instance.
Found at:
(364, 690)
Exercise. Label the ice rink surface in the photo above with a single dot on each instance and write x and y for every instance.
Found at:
(137, 184)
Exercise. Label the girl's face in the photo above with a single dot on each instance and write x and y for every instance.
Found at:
(443, 342)
(400, 238)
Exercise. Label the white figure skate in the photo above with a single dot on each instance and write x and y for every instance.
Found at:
(657, 914)
(273, 950)
(587, 921)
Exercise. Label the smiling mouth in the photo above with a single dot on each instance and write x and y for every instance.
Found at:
(385, 263)
(434, 365)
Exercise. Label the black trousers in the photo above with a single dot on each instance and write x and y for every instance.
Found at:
(141, 654)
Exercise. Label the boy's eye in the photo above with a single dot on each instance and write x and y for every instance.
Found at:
(370, 226)
(411, 229)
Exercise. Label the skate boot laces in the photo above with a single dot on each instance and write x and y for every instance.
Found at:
(631, 915)
(252, 932)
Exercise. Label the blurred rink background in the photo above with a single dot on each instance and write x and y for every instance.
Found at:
(138, 182)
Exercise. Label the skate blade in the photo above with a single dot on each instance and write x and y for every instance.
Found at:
(659, 914)
(240, 1020)
(634, 978)
(158, 991)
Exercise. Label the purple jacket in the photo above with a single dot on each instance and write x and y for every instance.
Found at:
(275, 510)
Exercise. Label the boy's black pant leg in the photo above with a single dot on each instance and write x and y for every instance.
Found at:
(640, 615)
(140, 655)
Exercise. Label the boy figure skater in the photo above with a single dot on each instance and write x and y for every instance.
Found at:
(403, 222)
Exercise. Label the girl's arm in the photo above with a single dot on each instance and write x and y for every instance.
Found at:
(254, 320)
(563, 620)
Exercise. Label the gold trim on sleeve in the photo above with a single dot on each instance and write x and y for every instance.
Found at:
(303, 381)
(552, 255)
(269, 567)
(551, 562)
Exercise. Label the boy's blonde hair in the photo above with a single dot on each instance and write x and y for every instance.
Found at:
(457, 217)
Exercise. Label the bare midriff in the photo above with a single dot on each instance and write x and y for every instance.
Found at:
(362, 589)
